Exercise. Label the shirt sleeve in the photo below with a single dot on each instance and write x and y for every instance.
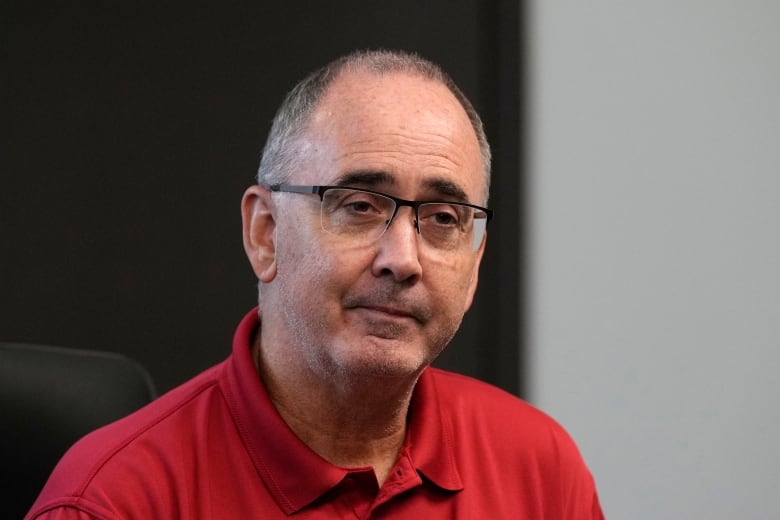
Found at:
(597, 513)
(580, 494)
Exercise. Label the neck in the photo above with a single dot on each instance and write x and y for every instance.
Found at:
(350, 423)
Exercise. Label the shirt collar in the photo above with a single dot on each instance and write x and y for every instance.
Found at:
(430, 436)
(278, 454)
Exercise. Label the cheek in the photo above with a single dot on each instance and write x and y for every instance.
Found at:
(314, 267)
(453, 282)
(297, 241)
(299, 263)
(301, 290)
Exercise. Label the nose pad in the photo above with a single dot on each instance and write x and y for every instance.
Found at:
(394, 218)
(398, 253)
(415, 220)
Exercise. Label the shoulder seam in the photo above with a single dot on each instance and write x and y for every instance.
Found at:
(130, 438)
(79, 503)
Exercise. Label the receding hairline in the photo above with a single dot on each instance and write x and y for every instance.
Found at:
(345, 89)
(294, 115)
(384, 63)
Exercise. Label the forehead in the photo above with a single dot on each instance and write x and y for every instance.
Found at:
(410, 129)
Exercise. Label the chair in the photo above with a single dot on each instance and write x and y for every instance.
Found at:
(49, 398)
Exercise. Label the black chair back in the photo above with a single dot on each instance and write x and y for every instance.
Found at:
(49, 398)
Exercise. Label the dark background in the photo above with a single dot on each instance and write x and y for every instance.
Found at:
(129, 133)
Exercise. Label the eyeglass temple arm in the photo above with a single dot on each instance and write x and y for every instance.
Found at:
(289, 188)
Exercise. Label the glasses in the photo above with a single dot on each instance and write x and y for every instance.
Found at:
(364, 215)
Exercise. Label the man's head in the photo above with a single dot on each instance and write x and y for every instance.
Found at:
(342, 305)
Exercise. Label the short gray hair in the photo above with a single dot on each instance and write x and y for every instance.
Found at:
(281, 155)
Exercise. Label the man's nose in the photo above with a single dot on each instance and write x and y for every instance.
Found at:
(398, 248)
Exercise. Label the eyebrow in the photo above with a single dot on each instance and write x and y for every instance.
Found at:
(365, 178)
(372, 179)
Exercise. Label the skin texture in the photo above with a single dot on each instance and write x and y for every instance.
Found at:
(346, 331)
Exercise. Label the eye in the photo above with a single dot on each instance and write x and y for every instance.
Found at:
(359, 203)
(445, 219)
(357, 206)
(443, 215)
(350, 206)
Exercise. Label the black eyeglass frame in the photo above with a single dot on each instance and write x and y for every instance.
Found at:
(414, 204)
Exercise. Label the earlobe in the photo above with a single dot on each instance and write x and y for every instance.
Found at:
(259, 226)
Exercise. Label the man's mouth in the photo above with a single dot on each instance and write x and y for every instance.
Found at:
(389, 308)
(392, 312)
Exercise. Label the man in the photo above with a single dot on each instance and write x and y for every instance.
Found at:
(365, 230)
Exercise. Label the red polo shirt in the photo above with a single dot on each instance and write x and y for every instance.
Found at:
(216, 448)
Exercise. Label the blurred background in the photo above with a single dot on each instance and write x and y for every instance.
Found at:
(630, 285)
(131, 132)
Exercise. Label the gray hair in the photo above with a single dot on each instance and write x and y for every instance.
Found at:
(281, 155)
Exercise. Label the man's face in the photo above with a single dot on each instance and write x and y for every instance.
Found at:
(387, 308)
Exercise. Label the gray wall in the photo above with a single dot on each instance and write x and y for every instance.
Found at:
(654, 196)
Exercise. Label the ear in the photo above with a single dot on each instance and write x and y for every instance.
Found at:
(259, 226)
(475, 273)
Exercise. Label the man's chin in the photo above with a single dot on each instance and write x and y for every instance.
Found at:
(385, 327)
(384, 358)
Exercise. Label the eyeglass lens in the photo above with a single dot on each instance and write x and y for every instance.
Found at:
(363, 217)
